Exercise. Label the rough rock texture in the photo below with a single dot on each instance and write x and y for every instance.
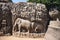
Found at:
(5, 18)
(33, 12)
(54, 13)
(30, 11)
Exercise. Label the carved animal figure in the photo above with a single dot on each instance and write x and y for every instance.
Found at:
(22, 23)
(39, 28)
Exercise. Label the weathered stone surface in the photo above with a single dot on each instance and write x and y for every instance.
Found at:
(54, 13)
(5, 18)
(30, 11)
(53, 32)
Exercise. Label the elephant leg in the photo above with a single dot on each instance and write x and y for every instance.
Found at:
(19, 26)
(13, 29)
(27, 30)
(35, 29)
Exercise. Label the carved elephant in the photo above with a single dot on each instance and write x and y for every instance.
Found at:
(22, 23)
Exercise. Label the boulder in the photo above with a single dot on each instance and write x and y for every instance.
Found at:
(53, 32)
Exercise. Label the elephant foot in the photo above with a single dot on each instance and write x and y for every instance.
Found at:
(28, 32)
(18, 31)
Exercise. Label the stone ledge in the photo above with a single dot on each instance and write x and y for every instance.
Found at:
(29, 35)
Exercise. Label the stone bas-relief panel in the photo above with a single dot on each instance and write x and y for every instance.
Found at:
(26, 11)
(30, 11)
(36, 14)
(5, 19)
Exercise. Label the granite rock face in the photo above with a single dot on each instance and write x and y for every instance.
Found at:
(33, 12)
(53, 32)
(54, 13)
(5, 18)
(30, 11)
